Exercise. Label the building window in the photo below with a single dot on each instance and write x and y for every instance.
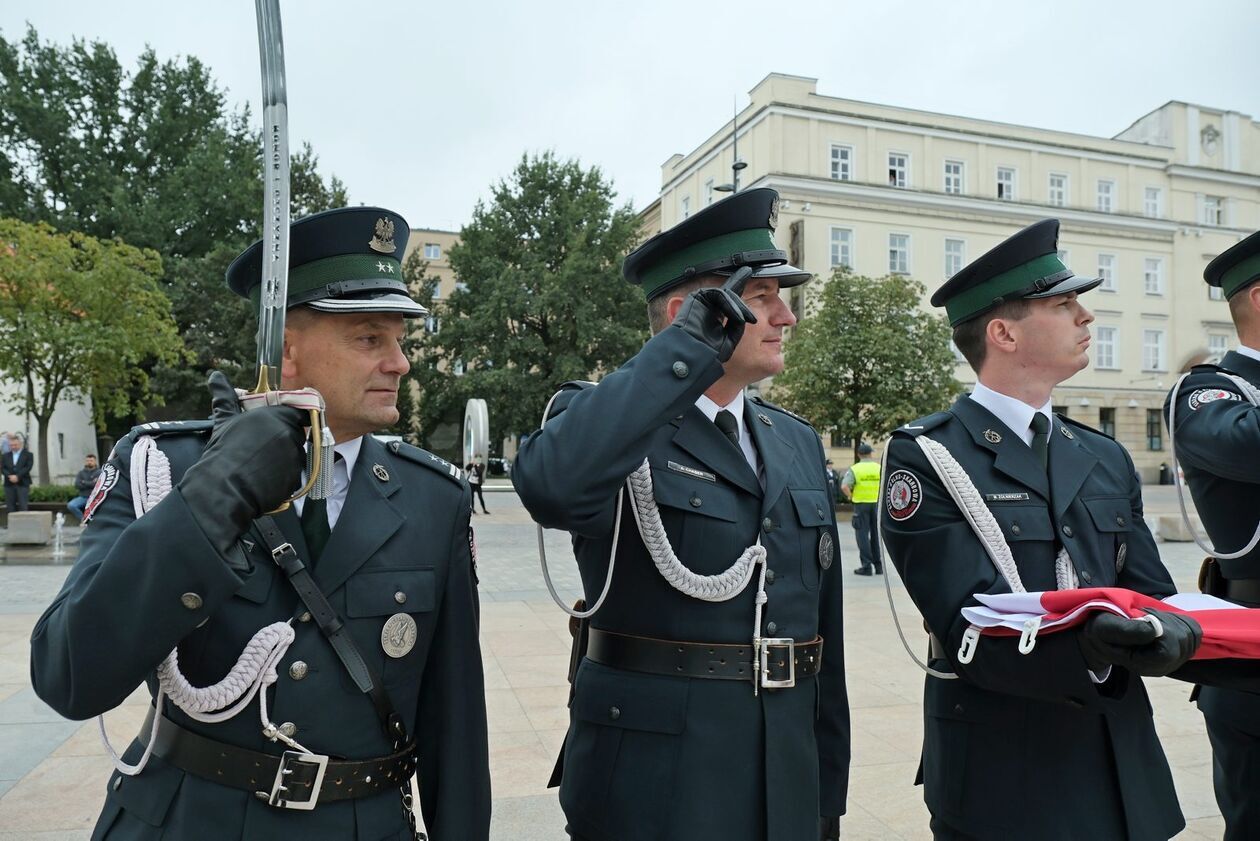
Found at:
(954, 177)
(1153, 350)
(1153, 203)
(1153, 276)
(842, 247)
(432, 251)
(432, 323)
(842, 163)
(457, 367)
(899, 254)
(1216, 293)
(708, 192)
(1213, 210)
(1058, 195)
(1106, 197)
(61, 445)
(955, 256)
(1062, 411)
(684, 207)
(1107, 271)
(898, 169)
(1006, 183)
(839, 442)
(1105, 348)
(1154, 430)
(1218, 344)
(1107, 421)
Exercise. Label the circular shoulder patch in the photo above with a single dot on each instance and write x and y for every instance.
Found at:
(104, 484)
(904, 496)
(1210, 395)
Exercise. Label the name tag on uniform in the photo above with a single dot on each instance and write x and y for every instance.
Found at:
(695, 473)
(1011, 497)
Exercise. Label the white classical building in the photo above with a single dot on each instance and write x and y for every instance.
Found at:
(883, 189)
(71, 436)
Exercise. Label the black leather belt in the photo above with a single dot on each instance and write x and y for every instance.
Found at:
(293, 780)
(1245, 590)
(772, 664)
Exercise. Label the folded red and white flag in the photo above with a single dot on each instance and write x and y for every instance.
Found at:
(1229, 630)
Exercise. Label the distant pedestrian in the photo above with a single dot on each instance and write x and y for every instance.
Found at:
(833, 484)
(84, 481)
(16, 467)
(476, 479)
(861, 485)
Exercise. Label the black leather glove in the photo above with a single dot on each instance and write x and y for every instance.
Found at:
(828, 829)
(1111, 640)
(716, 315)
(253, 462)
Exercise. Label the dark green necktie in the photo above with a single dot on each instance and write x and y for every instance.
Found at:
(315, 526)
(726, 422)
(1040, 426)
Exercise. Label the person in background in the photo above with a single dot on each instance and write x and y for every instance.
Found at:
(84, 480)
(476, 480)
(860, 485)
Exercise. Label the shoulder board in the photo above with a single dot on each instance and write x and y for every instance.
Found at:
(917, 427)
(159, 428)
(426, 459)
(1074, 422)
(560, 400)
(760, 402)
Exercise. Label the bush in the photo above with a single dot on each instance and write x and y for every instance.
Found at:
(53, 493)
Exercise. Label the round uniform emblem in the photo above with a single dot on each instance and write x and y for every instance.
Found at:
(992, 437)
(398, 636)
(379, 471)
(1210, 395)
(826, 550)
(904, 495)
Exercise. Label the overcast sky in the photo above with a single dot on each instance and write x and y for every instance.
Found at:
(421, 106)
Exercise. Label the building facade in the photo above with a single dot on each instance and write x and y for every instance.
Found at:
(883, 190)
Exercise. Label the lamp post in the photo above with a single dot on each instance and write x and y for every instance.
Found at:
(737, 164)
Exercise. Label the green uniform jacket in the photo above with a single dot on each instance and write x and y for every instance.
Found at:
(688, 759)
(404, 529)
(1027, 746)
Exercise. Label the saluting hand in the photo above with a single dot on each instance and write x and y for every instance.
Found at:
(716, 315)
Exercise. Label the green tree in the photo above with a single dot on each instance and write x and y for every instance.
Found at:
(154, 157)
(540, 298)
(867, 358)
(78, 316)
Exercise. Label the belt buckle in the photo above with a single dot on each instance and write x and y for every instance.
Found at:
(277, 797)
(763, 654)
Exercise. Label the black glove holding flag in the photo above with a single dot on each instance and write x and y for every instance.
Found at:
(1111, 640)
(253, 464)
(716, 315)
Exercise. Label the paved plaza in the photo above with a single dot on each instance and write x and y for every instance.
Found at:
(53, 772)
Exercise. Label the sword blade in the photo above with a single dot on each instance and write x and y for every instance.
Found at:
(275, 160)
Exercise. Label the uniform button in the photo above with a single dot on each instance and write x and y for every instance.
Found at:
(117, 782)
(958, 708)
(288, 729)
(400, 597)
(297, 670)
(192, 601)
(613, 712)
(305, 617)
(696, 501)
(767, 524)
(1086, 577)
(681, 370)
(1015, 528)
(771, 627)
(1067, 531)
(769, 576)
(1119, 521)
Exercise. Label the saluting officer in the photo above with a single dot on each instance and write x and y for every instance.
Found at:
(372, 669)
(1217, 440)
(711, 704)
(1058, 742)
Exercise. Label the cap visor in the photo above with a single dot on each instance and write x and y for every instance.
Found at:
(1075, 283)
(380, 303)
(786, 274)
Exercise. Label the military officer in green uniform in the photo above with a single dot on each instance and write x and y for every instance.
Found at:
(710, 704)
(372, 671)
(1217, 441)
(1057, 742)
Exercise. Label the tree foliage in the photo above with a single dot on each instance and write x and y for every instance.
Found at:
(78, 316)
(868, 358)
(154, 157)
(540, 298)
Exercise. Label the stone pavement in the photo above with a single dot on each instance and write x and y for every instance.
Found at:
(52, 771)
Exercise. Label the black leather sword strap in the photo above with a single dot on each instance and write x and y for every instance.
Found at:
(361, 672)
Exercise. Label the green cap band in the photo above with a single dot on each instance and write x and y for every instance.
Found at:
(319, 273)
(671, 269)
(979, 298)
(1240, 274)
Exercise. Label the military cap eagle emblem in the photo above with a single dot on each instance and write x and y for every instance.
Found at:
(383, 239)
(773, 221)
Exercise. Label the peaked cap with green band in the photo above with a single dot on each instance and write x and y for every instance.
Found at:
(1237, 267)
(736, 231)
(345, 261)
(1026, 265)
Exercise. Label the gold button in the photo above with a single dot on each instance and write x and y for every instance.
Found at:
(297, 670)
(288, 729)
(400, 597)
(192, 601)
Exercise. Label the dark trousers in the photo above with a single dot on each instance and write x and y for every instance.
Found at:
(1236, 778)
(477, 492)
(17, 497)
(943, 832)
(867, 534)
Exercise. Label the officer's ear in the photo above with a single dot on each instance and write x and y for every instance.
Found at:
(999, 336)
(673, 305)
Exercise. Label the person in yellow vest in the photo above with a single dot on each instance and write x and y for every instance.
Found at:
(860, 486)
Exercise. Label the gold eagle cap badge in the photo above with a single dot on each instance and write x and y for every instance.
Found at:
(383, 239)
(773, 221)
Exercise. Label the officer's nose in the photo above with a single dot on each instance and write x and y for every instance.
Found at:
(396, 362)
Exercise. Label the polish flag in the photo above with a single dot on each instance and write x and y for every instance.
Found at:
(1229, 630)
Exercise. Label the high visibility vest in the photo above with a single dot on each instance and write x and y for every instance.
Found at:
(866, 481)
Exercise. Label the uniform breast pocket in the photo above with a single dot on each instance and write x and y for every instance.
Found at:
(1023, 522)
(1111, 517)
(815, 516)
(389, 610)
(700, 518)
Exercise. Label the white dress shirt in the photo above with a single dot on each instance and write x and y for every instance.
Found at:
(1016, 414)
(736, 408)
(1248, 352)
(343, 469)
